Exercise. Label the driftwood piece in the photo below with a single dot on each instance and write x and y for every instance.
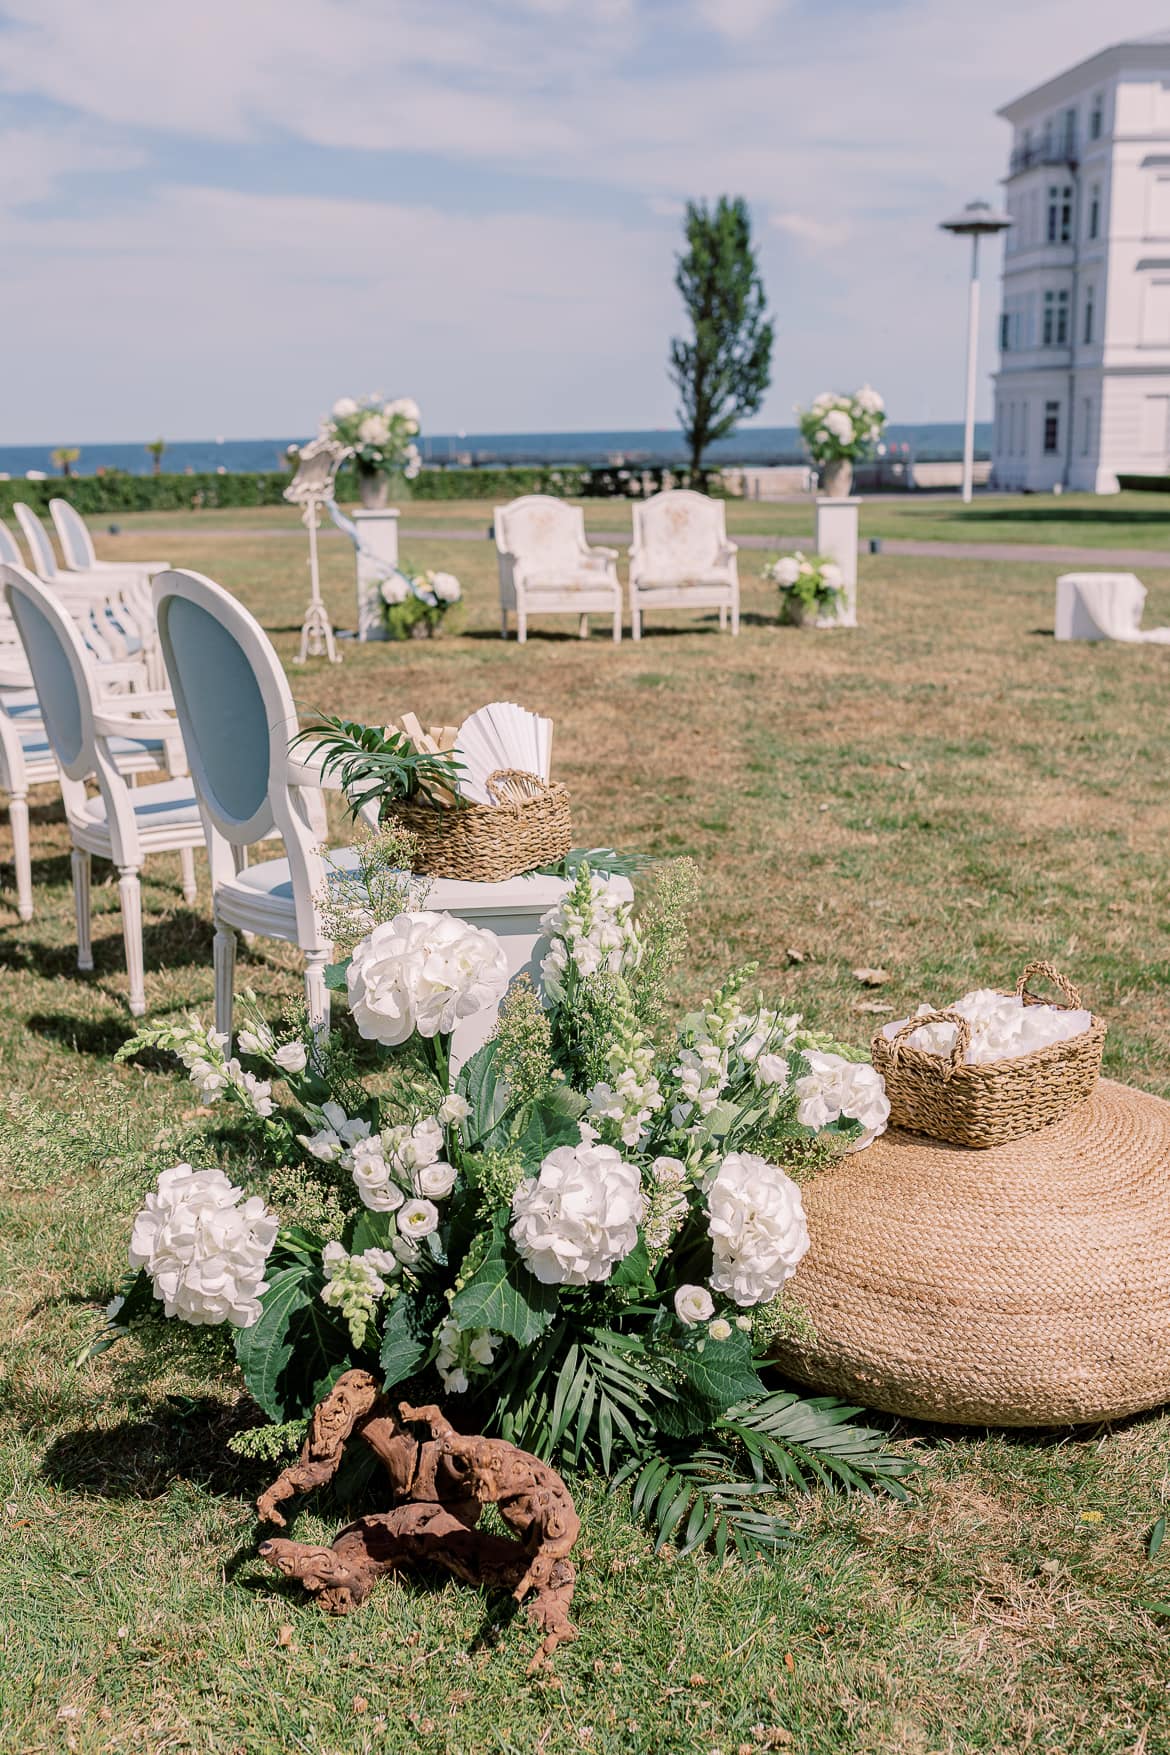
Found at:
(441, 1484)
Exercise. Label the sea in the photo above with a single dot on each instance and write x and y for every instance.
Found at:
(931, 441)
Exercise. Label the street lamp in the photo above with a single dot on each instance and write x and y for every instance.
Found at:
(977, 220)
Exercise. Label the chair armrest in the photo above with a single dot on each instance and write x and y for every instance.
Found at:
(605, 554)
(112, 724)
(728, 551)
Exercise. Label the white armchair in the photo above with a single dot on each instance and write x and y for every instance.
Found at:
(681, 558)
(548, 568)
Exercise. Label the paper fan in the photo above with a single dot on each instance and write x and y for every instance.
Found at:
(501, 735)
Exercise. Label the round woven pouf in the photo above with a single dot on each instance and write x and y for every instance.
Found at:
(1024, 1285)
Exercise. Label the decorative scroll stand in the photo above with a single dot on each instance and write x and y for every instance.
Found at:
(311, 488)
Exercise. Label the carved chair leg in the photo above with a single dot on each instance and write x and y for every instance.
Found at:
(81, 880)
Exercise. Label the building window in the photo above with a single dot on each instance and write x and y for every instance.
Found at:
(1060, 213)
(1051, 428)
(1055, 330)
(1023, 429)
(1095, 212)
(1097, 116)
(1086, 425)
(1070, 132)
(1090, 300)
(1005, 324)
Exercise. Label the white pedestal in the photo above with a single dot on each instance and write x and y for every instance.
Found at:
(377, 556)
(837, 538)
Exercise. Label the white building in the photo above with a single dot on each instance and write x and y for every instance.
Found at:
(1082, 394)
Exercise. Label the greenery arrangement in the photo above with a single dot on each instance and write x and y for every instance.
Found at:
(722, 372)
(419, 605)
(581, 1241)
(372, 761)
(810, 585)
(839, 429)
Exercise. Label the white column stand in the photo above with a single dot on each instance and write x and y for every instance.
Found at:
(837, 538)
(377, 556)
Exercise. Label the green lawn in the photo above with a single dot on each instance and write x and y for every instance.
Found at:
(1129, 520)
(945, 793)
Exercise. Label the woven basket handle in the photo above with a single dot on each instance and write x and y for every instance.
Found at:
(962, 1037)
(513, 786)
(1071, 996)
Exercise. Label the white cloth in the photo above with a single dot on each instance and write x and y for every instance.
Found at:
(1103, 606)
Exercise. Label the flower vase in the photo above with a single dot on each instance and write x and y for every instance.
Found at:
(373, 488)
(837, 478)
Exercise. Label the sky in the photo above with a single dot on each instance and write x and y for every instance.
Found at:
(217, 218)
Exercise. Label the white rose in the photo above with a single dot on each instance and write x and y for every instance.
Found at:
(423, 971)
(417, 1218)
(720, 1329)
(834, 1087)
(435, 1180)
(454, 1108)
(693, 1304)
(291, 1057)
(579, 1217)
(757, 1227)
(204, 1246)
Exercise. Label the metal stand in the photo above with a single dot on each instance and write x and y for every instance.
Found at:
(311, 488)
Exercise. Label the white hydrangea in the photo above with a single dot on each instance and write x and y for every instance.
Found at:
(595, 936)
(834, 1088)
(445, 587)
(839, 424)
(204, 1246)
(785, 571)
(423, 971)
(344, 406)
(579, 1217)
(395, 588)
(757, 1226)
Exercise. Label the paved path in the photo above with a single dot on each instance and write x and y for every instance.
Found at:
(1044, 552)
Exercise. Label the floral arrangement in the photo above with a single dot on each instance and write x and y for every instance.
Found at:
(583, 1239)
(811, 586)
(380, 434)
(842, 428)
(416, 606)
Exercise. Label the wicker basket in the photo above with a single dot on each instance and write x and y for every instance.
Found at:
(990, 1104)
(1028, 1285)
(529, 826)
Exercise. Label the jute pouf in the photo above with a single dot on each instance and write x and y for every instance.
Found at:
(1023, 1285)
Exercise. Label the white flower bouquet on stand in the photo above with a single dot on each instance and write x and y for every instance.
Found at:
(837, 430)
(812, 589)
(381, 436)
(587, 1237)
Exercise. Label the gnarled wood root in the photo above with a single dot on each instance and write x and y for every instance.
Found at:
(441, 1484)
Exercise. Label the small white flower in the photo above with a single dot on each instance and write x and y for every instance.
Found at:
(454, 1108)
(417, 1218)
(693, 1304)
(772, 1069)
(445, 586)
(259, 1041)
(343, 407)
(744, 1323)
(435, 1181)
(291, 1057)
(720, 1329)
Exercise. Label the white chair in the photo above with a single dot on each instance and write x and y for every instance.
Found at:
(114, 601)
(238, 720)
(86, 736)
(681, 558)
(1103, 606)
(548, 568)
(78, 550)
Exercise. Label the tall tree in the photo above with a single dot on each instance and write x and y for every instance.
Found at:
(156, 447)
(722, 374)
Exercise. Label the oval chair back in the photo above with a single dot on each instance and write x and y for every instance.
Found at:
(237, 717)
(10, 555)
(44, 561)
(73, 535)
(62, 674)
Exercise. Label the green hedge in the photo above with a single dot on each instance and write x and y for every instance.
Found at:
(1148, 484)
(116, 492)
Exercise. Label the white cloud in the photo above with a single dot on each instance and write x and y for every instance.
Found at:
(821, 234)
(666, 207)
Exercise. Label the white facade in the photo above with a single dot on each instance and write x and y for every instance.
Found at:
(1082, 394)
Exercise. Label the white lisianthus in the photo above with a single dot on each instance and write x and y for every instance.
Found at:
(579, 1217)
(204, 1246)
(693, 1304)
(291, 1057)
(772, 1069)
(337, 1133)
(423, 971)
(259, 1041)
(757, 1226)
(720, 1329)
(373, 1178)
(417, 1218)
(454, 1108)
(436, 1180)
(410, 1148)
(834, 1088)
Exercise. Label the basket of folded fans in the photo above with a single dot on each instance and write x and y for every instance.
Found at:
(992, 1067)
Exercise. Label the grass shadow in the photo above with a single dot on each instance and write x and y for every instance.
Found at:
(140, 1459)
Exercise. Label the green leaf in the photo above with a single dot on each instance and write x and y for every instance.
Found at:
(369, 1231)
(814, 1440)
(1157, 1537)
(336, 976)
(549, 1123)
(634, 1269)
(721, 1373)
(1153, 1608)
(479, 1082)
(289, 1356)
(504, 1296)
(405, 1341)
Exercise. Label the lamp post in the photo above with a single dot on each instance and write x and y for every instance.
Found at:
(977, 220)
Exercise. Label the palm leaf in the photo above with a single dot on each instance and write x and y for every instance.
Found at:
(372, 763)
(813, 1441)
(700, 1498)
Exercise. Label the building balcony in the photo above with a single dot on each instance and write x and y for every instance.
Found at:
(1044, 152)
